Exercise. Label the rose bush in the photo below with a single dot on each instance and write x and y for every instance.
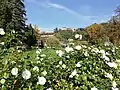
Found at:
(76, 67)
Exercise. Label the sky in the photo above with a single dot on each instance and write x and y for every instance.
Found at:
(49, 14)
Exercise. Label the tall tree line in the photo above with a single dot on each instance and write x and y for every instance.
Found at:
(12, 20)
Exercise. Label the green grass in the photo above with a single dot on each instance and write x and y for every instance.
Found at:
(31, 54)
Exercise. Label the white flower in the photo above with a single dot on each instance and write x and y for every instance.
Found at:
(78, 64)
(37, 52)
(60, 62)
(112, 64)
(78, 47)
(67, 56)
(59, 53)
(26, 74)
(44, 72)
(36, 69)
(68, 49)
(13, 31)
(109, 75)
(106, 58)
(94, 88)
(2, 43)
(70, 76)
(49, 89)
(74, 73)
(114, 88)
(114, 84)
(14, 71)
(77, 36)
(2, 81)
(118, 61)
(19, 51)
(64, 66)
(41, 80)
(2, 31)
(80, 37)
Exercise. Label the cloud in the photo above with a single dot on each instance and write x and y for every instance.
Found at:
(79, 16)
(58, 6)
(48, 4)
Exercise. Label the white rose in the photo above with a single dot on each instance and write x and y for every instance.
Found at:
(112, 64)
(109, 75)
(78, 47)
(114, 88)
(77, 36)
(64, 66)
(14, 71)
(68, 49)
(78, 64)
(13, 31)
(80, 37)
(41, 80)
(74, 73)
(2, 43)
(59, 53)
(2, 31)
(70, 76)
(94, 88)
(106, 58)
(114, 84)
(60, 62)
(36, 69)
(26, 74)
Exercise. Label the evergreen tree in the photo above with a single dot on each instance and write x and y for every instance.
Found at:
(12, 19)
(17, 22)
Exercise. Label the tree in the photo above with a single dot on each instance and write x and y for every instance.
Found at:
(12, 18)
(5, 13)
(64, 35)
(37, 32)
(29, 33)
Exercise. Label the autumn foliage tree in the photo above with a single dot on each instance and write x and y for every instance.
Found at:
(37, 32)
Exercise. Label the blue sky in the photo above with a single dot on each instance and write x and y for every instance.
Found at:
(49, 14)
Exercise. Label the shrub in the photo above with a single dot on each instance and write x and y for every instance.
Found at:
(77, 67)
(52, 41)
